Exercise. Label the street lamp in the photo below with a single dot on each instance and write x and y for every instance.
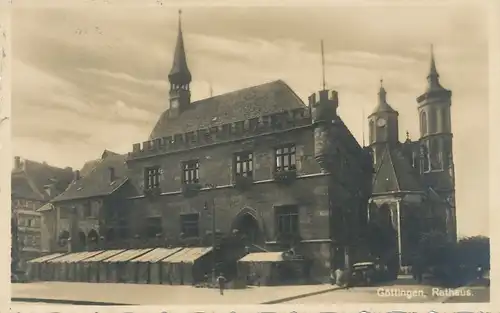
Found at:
(212, 187)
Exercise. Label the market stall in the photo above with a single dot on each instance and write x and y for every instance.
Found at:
(148, 266)
(77, 269)
(37, 269)
(61, 266)
(96, 267)
(186, 267)
(270, 268)
(120, 270)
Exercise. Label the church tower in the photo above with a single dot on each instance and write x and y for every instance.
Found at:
(434, 109)
(383, 126)
(179, 77)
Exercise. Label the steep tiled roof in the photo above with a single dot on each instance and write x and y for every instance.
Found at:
(98, 181)
(231, 107)
(29, 180)
(395, 174)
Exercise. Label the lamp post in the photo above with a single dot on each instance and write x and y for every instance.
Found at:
(212, 187)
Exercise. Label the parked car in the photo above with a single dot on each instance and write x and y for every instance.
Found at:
(369, 273)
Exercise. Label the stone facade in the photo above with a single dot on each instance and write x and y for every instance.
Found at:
(255, 163)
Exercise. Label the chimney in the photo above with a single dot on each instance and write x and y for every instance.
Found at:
(17, 163)
(112, 176)
(77, 175)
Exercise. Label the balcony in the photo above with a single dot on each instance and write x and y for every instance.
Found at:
(243, 182)
(190, 189)
(286, 177)
(152, 192)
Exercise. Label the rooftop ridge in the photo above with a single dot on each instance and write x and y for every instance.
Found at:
(234, 92)
(287, 119)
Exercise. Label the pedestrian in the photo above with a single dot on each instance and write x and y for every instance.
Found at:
(479, 272)
(222, 281)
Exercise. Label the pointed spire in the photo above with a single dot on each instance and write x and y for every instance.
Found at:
(433, 77)
(382, 94)
(382, 105)
(179, 74)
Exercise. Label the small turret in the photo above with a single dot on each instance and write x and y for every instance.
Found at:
(324, 106)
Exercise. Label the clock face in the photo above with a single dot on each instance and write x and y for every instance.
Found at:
(381, 122)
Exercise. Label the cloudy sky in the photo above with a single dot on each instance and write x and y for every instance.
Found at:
(85, 80)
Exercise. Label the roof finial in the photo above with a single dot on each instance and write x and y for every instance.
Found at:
(211, 90)
(323, 64)
(179, 74)
(433, 77)
(407, 135)
(363, 123)
(381, 82)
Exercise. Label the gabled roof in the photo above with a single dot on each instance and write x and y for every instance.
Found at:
(230, 107)
(395, 173)
(29, 180)
(98, 180)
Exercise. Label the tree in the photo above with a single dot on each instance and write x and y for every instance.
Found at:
(474, 251)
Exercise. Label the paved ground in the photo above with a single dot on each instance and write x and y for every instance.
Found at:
(404, 290)
(157, 294)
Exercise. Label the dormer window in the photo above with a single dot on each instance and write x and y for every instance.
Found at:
(112, 176)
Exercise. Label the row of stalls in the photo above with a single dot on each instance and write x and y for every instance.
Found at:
(153, 266)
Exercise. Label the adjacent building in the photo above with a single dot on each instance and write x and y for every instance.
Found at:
(33, 185)
(414, 183)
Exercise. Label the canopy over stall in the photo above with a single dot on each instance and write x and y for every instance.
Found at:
(263, 257)
(36, 268)
(120, 269)
(77, 270)
(186, 266)
(262, 268)
(148, 266)
(97, 270)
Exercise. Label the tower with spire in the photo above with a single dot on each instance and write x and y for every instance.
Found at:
(383, 125)
(179, 77)
(436, 139)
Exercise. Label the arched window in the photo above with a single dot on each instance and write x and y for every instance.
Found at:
(423, 123)
(432, 121)
(444, 120)
(371, 131)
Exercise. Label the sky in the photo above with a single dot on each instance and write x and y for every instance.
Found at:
(85, 80)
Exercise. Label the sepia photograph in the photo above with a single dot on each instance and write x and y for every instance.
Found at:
(224, 155)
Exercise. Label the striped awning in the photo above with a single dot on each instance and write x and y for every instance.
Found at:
(263, 257)
(187, 255)
(127, 255)
(103, 256)
(83, 255)
(45, 258)
(156, 255)
(68, 258)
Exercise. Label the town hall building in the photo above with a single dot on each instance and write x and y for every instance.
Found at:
(258, 171)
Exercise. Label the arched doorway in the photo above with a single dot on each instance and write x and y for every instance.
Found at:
(247, 227)
(93, 237)
(82, 240)
(62, 240)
